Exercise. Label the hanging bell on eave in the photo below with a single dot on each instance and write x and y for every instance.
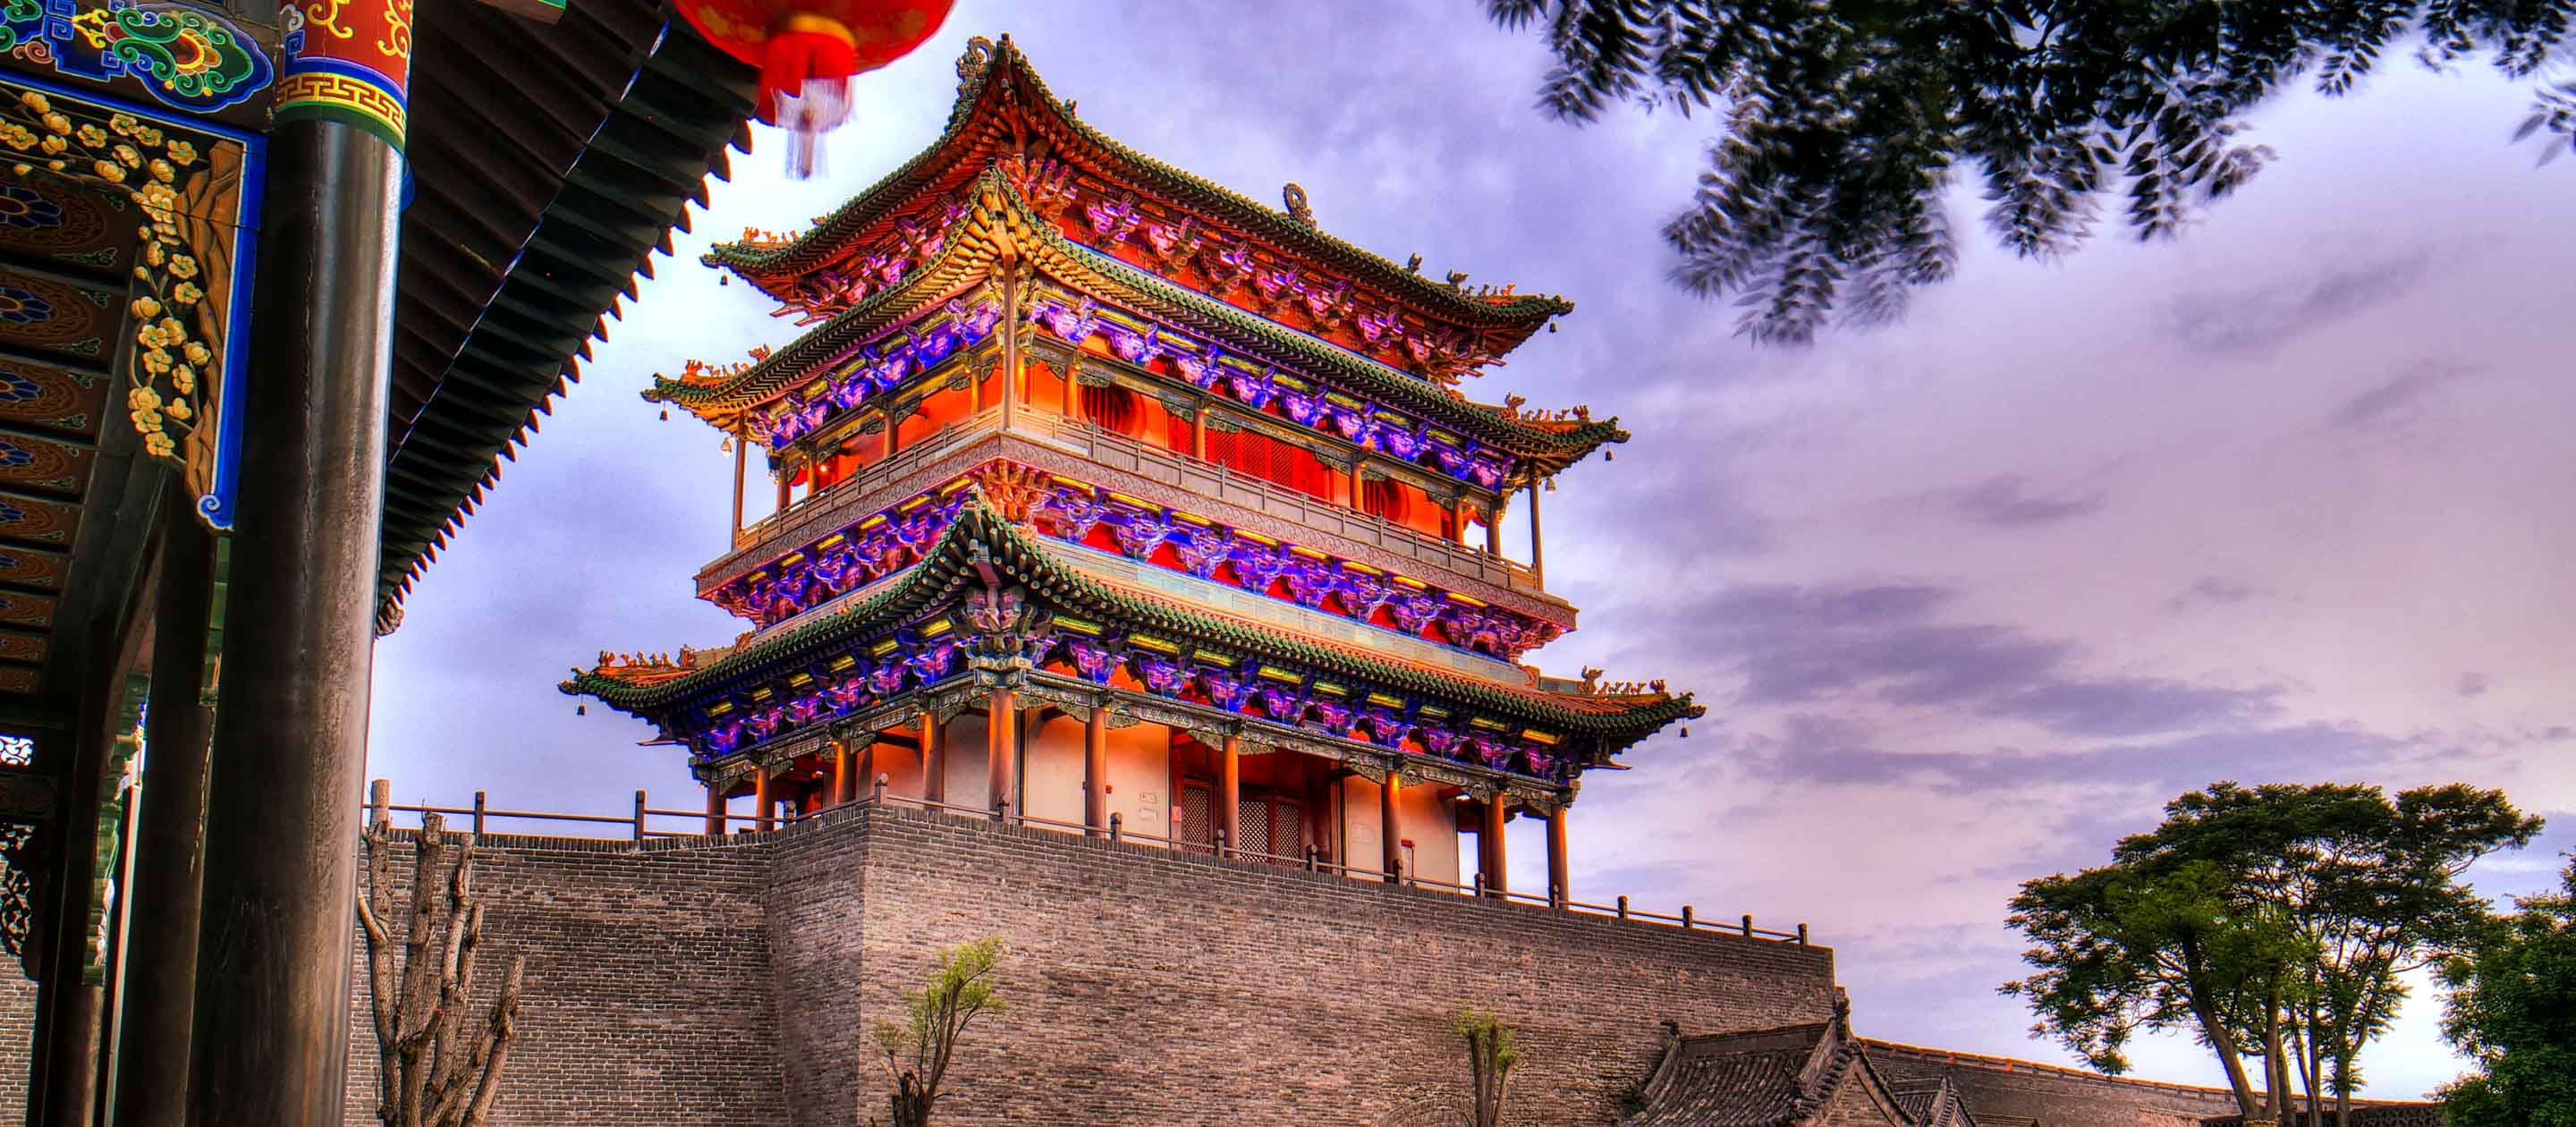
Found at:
(581, 710)
(807, 51)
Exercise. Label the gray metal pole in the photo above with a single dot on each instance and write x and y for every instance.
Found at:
(161, 960)
(290, 742)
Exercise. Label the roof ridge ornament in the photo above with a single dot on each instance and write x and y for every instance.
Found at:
(1294, 196)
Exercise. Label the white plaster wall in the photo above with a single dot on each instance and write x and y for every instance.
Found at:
(1140, 778)
(1422, 817)
(1051, 772)
(1431, 824)
(969, 780)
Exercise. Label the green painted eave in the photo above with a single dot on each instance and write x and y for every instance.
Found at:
(979, 536)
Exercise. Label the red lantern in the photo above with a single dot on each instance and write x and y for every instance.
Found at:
(808, 49)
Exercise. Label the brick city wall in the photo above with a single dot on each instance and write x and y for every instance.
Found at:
(645, 995)
(735, 986)
(2057, 1097)
(17, 1038)
(1150, 988)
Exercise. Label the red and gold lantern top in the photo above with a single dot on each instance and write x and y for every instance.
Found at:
(807, 50)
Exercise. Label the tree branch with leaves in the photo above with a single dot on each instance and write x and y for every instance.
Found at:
(1491, 1053)
(917, 1050)
(2273, 922)
(1845, 122)
(2512, 1011)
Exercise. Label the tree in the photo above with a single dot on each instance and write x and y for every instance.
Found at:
(2120, 949)
(1846, 120)
(2277, 919)
(430, 1071)
(918, 1049)
(1490, 1057)
(2513, 1010)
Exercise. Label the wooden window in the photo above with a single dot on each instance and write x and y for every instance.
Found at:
(1272, 827)
(1198, 817)
(1112, 409)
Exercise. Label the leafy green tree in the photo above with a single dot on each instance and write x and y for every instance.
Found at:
(1844, 121)
(2277, 919)
(918, 1049)
(2513, 1010)
(2118, 949)
(1490, 1057)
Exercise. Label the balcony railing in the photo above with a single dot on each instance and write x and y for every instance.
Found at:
(636, 826)
(1208, 479)
(1184, 473)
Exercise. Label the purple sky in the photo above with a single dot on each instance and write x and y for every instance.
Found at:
(1968, 598)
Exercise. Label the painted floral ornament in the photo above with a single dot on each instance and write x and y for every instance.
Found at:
(807, 51)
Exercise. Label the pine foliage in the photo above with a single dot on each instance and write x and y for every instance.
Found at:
(1844, 121)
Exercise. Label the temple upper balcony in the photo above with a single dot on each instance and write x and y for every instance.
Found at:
(1151, 509)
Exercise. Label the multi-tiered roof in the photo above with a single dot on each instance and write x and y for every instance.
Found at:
(953, 527)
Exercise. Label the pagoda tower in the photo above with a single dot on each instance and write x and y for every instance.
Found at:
(1112, 502)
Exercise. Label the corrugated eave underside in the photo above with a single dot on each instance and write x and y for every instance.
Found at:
(553, 163)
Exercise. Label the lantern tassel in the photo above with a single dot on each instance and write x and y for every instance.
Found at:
(805, 85)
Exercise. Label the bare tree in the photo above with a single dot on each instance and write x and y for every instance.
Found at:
(1490, 1057)
(431, 1072)
(918, 1049)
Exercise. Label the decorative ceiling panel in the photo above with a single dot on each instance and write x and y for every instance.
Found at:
(50, 523)
(45, 464)
(27, 610)
(49, 314)
(68, 227)
(54, 398)
(30, 568)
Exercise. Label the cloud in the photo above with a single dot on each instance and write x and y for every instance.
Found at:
(2213, 591)
(2474, 683)
(1819, 751)
(2003, 502)
(1886, 643)
(2396, 401)
(2255, 321)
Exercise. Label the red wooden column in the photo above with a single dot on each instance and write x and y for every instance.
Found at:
(1095, 772)
(1489, 849)
(841, 787)
(1559, 889)
(715, 809)
(1229, 794)
(1538, 552)
(865, 778)
(741, 467)
(760, 796)
(1001, 748)
(1388, 836)
(934, 759)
